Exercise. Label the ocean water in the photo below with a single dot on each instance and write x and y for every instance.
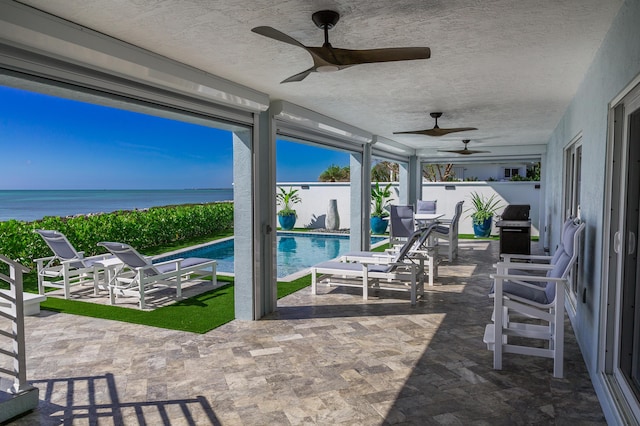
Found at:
(31, 205)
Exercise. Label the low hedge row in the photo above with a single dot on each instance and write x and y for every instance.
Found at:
(140, 228)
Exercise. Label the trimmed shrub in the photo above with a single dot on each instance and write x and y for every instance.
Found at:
(140, 228)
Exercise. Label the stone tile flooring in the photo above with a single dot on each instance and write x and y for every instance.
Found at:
(330, 359)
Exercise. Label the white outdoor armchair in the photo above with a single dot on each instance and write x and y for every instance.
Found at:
(533, 291)
(137, 276)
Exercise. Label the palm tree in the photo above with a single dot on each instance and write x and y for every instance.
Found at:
(335, 173)
(385, 171)
(438, 172)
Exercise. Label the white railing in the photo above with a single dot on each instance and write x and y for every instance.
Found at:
(13, 299)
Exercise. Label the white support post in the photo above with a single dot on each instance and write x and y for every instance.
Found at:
(558, 335)
(20, 363)
(360, 166)
(497, 324)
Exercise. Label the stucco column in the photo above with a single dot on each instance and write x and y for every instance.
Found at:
(254, 220)
(360, 171)
(410, 181)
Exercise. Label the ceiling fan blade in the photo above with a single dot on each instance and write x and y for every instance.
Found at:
(298, 77)
(348, 57)
(277, 35)
(464, 151)
(436, 131)
(355, 57)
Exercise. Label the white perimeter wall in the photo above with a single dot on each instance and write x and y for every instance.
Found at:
(316, 195)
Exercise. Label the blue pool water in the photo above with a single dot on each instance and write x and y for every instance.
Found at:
(296, 251)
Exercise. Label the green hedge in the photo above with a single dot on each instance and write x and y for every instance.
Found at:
(140, 228)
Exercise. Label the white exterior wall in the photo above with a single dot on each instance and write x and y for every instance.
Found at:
(449, 193)
(315, 198)
(487, 171)
(615, 65)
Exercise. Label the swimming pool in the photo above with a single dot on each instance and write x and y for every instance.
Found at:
(296, 251)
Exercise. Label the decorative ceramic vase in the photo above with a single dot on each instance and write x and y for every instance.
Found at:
(333, 218)
(287, 222)
(378, 225)
(482, 230)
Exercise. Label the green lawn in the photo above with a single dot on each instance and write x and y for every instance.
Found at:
(197, 314)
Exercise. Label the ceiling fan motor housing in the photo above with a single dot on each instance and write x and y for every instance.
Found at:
(325, 18)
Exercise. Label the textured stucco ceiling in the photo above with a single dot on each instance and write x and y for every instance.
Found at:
(507, 67)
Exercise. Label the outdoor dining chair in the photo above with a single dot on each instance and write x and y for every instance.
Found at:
(426, 206)
(402, 223)
(449, 232)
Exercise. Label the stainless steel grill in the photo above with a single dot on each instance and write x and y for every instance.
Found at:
(515, 229)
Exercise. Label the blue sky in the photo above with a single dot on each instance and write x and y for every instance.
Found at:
(54, 143)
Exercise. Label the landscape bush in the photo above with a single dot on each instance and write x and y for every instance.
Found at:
(140, 228)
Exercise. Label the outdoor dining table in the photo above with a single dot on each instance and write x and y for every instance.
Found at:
(425, 219)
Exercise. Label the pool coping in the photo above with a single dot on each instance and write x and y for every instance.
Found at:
(286, 279)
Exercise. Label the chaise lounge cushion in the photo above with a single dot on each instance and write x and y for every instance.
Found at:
(186, 263)
(346, 266)
(442, 229)
(536, 295)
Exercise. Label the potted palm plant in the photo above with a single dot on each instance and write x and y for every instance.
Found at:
(287, 215)
(482, 211)
(379, 200)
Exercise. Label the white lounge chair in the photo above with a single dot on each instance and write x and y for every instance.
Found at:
(67, 267)
(137, 276)
(400, 273)
(520, 290)
(420, 250)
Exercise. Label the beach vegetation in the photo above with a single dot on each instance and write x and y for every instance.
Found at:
(142, 229)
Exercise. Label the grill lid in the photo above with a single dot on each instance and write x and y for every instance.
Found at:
(513, 223)
(516, 212)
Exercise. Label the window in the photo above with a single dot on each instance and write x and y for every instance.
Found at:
(571, 202)
(511, 172)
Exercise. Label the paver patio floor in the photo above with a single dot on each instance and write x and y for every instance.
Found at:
(327, 359)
